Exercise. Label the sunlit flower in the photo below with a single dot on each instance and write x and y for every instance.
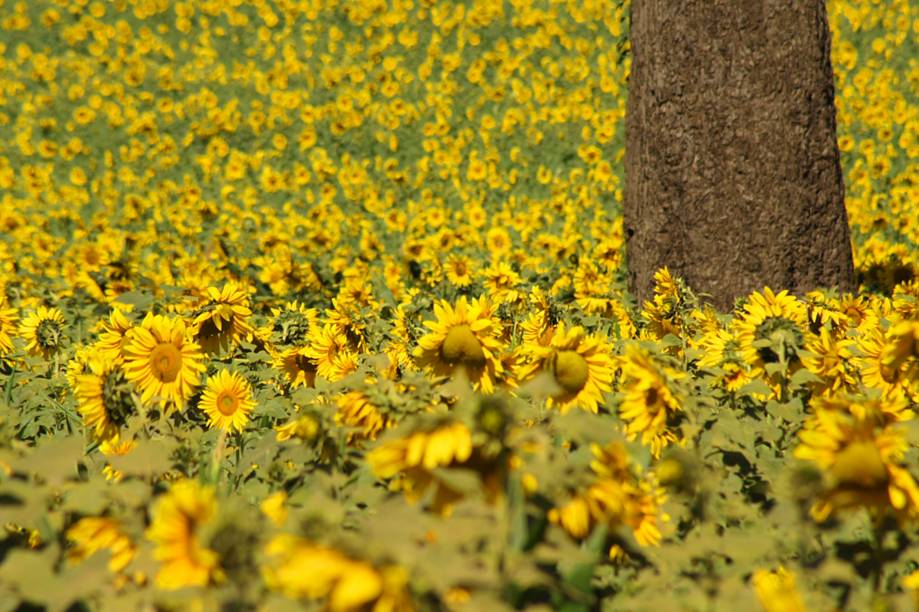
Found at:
(581, 365)
(862, 455)
(178, 519)
(464, 336)
(163, 361)
(44, 331)
(777, 591)
(227, 400)
(223, 320)
(650, 404)
(105, 398)
(92, 534)
(301, 569)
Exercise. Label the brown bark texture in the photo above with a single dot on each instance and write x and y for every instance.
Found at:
(732, 166)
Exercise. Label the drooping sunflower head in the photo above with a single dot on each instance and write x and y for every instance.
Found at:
(651, 403)
(464, 337)
(581, 365)
(163, 360)
(105, 398)
(861, 458)
(772, 328)
(223, 319)
(617, 495)
(227, 400)
(178, 521)
(44, 331)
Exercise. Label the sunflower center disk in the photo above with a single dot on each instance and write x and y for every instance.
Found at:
(461, 346)
(860, 464)
(166, 362)
(227, 404)
(571, 371)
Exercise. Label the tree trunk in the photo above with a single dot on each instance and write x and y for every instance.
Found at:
(732, 167)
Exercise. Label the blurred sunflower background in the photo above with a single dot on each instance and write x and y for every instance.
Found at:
(322, 303)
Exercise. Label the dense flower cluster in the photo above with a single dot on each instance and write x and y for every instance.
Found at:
(324, 302)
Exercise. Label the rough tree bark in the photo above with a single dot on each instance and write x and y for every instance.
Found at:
(732, 167)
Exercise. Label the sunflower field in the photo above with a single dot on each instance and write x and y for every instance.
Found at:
(321, 304)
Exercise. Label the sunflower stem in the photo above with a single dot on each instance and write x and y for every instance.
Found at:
(218, 456)
(877, 551)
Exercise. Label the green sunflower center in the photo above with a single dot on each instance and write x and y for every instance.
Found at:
(571, 371)
(166, 361)
(49, 334)
(227, 403)
(461, 346)
(860, 464)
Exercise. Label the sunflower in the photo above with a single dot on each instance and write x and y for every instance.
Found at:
(289, 325)
(650, 404)
(502, 281)
(227, 400)
(831, 359)
(331, 351)
(305, 427)
(581, 366)
(540, 324)
(223, 320)
(460, 270)
(619, 495)
(861, 454)
(163, 360)
(721, 352)
(178, 519)
(44, 331)
(116, 447)
(771, 330)
(7, 323)
(105, 398)
(94, 533)
(415, 458)
(876, 372)
(397, 349)
(663, 312)
(356, 410)
(301, 569)
(114, 337)
(442, 446)
(902, 349)
(299, 370)
(777, 591)
(79, 364)
(275, 508)
(346, 322)
(462, 337)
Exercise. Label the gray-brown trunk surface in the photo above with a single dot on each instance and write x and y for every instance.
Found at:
(732, 166)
